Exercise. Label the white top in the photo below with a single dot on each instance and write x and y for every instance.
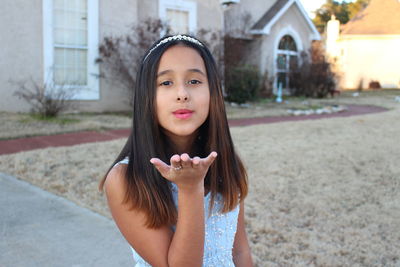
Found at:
(220, 230)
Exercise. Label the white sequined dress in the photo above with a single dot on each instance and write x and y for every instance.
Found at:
(220, 230)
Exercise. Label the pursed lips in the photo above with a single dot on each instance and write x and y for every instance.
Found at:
(183, 113)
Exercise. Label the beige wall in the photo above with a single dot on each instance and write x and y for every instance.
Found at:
(209, 14)
(21, 53)
(117, 16)
(147, 8)
(367, 58)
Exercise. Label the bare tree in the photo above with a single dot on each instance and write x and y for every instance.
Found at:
(120, 56)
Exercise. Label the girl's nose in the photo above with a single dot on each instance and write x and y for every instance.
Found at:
(182, 94)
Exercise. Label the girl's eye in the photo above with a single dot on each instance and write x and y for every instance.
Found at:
(166, 83)
(194, 82)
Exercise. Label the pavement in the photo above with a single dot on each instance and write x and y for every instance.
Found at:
(38, 228)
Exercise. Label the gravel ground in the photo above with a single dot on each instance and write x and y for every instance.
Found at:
(322, 192)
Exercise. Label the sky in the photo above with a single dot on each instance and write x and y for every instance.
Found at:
(312, 5)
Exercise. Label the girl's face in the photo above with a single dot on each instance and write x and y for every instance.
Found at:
(182, 93)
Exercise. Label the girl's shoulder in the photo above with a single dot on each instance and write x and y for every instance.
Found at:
(116, 176)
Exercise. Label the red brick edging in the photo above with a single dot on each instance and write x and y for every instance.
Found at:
(69, 139)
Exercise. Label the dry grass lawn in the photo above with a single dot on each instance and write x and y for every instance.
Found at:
(322, 192)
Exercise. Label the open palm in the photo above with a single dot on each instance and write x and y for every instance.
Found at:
(185, 171)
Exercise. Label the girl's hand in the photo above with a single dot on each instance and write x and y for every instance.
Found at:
(185, 172)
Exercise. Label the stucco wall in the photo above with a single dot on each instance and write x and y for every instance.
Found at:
(147, 8)
(367, 58)
(21, 55)
(117, 16)
(209, 14)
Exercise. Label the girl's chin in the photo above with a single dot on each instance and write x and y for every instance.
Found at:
(180, 133)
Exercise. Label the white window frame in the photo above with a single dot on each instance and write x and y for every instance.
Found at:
(91, 91)
(180, 5)
(299, 45)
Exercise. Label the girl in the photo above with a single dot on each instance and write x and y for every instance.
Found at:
(176, 201)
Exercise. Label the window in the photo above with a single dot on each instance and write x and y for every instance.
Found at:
(180, 15)
(70, 49)
(70, 42)
(287, 58)
(178, 20)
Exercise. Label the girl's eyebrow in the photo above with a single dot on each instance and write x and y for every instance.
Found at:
(189, 70)
(163, 73)
(197, 71)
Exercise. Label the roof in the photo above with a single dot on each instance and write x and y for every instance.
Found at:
(269, 15)
(272, 15)
(379, 17)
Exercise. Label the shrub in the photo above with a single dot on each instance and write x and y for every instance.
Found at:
(314, 76)
(46, 100)
(242, 84)
(374, 85)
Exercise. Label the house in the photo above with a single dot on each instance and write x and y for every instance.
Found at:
(278, 33)
(56, 41)
(366, 49)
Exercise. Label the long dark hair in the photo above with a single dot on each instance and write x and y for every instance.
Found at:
(147, 190)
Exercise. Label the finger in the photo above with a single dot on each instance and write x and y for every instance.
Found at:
(210, 159)
(186, 161)
(175, 161)
(160, 165)
(195, 162)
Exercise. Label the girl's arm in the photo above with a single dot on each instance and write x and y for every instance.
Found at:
(187, 245)
(162, 247)
(151, 244)
(241, 248)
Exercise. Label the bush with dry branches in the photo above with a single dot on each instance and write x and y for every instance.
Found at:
(314, 76)
(47, 99)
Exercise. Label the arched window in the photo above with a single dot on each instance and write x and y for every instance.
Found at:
(287, 58)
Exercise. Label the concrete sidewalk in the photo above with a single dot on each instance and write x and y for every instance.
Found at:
(38, 228)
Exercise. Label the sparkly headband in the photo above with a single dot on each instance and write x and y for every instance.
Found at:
(174, 38)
